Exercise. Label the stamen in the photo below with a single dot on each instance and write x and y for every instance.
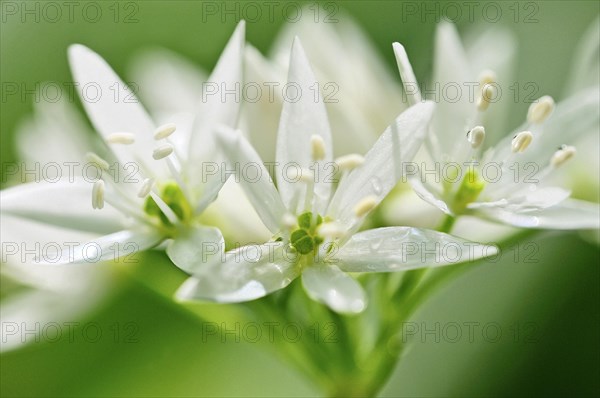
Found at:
(98, 195)
(521, 141)
(318, 147)
(349, 162)
(164, 131)
(409, 81)
(540, 111)
(167, 211)
(487, 94)
(146, 188)
(97, 160)
(565, 153)
(364, 206)
(331, 230)
(121, 138)
(475, 136)
(162, 151)
(487, 76)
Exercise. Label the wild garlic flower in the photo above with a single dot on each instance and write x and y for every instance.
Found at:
(506, 183)
(315, 225)
(147, 189)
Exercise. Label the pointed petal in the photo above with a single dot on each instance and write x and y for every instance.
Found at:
(402, 248)
(428, 194)
(260, 113)
(169, 82)
(385, 164)
(244, 274)
(220, 102)
(451, 69)
(586, 63)
(537, 199)
(303, 116)
(568, 215)
(254, 178)
(327, 284)
(194, 246)
(63, 204)
(110, 247)
(113, 108)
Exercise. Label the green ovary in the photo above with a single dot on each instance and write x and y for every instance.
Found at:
(468, 191)
(173, 196)
(305, 239)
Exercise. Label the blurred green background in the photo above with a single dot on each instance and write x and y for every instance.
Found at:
(554, 301)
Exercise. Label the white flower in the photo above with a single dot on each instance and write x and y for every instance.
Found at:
(315, 228)
(156, 191)
(506, 182)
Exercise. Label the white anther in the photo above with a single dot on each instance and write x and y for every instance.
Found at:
(162, 151)
(488, 93)
(146, 188)
(307, 176)
(475, 136)
(364, 206)
(540, 110)
(487, 76)
(98, 195)
(317, 147)
(331, 230)
(289, 221)
(565, 153)
(97, 160)
(349, 162)
(521, 141)
(121, 138)
(164, 131)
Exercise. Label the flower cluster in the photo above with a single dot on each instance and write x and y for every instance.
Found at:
(311, 223)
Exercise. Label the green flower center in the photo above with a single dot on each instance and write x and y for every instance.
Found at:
(174, 197)
(305, 239)
(468, 191)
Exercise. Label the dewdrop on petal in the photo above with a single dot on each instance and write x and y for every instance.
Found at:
(521, 141)
(540, 110)
(121, 138)
(365, 206)
(98, 195)
(561, 156)
(475, 136)
(164, 131)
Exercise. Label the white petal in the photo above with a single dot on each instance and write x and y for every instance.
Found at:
(110, 247)
(220, 102)
(54, 128)
(63, 204)
(254, 178)
(245, 274)
(428, 194)
(303, 116)
(585, 70)
(169, 82)
(385, 164)
(260, 113)
(113, 108)
(403, 248)
(194, 246)
(451, 69)
(539, 198)
(340, 292)
(570, 214)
